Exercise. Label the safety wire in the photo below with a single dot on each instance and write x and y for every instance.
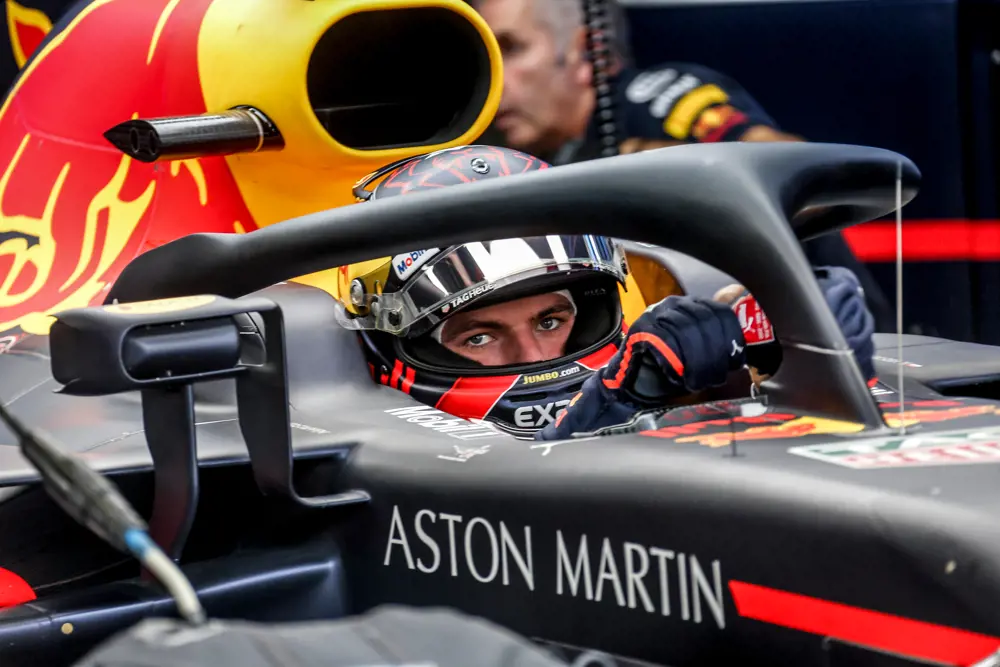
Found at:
(899, 292)
(597, 21)
(94, 502)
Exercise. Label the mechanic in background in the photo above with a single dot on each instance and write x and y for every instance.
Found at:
(491, 330)
(550, 106)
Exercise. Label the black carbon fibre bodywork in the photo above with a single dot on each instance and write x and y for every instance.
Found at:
(702, 538)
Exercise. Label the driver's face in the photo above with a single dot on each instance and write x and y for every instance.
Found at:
(521, 331)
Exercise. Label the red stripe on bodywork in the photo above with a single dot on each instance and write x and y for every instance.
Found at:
(14, 590)
(474, 397)
(927, 240)
(874, 629)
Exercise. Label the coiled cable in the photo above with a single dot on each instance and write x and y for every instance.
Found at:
(597, 22)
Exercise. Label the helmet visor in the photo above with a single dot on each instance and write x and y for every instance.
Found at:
(463, 275)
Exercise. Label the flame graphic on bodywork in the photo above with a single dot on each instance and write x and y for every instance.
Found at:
(31, 241)
(795, 428)
(27, 28)
(28, 240)
(781, 426)
(912, 417)
(74, 212)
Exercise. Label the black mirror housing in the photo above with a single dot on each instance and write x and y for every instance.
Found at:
(165, 342)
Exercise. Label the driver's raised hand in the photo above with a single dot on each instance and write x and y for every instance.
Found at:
(683, 345)
(679, 346)
(845, 297)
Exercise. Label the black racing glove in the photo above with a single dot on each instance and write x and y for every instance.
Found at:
(846, 298)
(682, 345)
(678, 346)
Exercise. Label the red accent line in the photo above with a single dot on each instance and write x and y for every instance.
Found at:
(653, 340)
(875, 629)
(600, 358)
(397, 372)
(562, 415)
(927, 240)
(474, 397)
(924, 404)
(14, 590)
(408, 380)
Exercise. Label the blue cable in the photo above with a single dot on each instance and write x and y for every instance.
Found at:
(138, 542)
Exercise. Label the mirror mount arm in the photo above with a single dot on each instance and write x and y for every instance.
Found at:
(169, 422)
(265, 421)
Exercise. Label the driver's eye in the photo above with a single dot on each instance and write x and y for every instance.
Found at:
(478, 340)
(549, 324)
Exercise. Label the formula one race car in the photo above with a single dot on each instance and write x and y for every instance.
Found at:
(824, 522)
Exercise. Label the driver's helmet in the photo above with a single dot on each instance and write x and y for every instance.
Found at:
(549, 305)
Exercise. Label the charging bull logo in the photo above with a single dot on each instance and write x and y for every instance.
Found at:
(74, 211)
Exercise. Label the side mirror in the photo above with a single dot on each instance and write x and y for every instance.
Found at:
(167, 342)
(162, 348)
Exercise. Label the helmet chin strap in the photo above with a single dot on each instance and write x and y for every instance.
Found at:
(436, 331)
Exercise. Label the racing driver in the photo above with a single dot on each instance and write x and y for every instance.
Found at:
(513, 331)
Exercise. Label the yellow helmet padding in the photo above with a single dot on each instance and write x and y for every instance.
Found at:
(372, 273)
(632, 301)
(648, 282)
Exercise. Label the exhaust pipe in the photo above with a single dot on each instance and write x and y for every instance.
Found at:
(339, 89)
(240, 130)
(409, 76)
